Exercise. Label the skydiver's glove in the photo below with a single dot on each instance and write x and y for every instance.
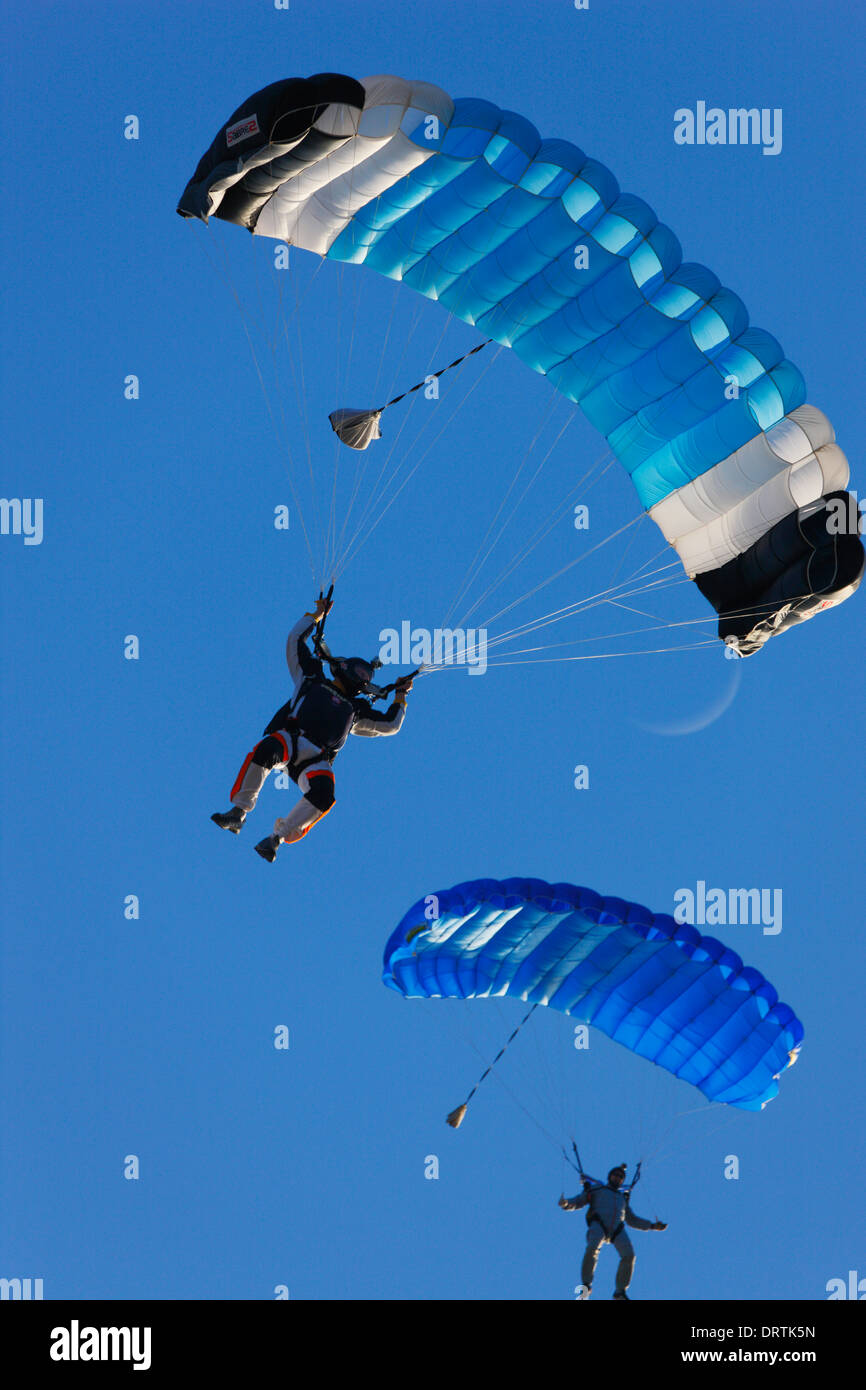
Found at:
(322, 608)
(402, 688)
(567, 1203)
(659, 1226)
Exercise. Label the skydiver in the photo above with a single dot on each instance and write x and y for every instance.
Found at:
(609, 1213)
(305, 735)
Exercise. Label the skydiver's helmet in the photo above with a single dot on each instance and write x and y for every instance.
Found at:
(619, 1172)
(353, 673)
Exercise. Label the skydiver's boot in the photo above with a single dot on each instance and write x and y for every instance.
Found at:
(230, 820)
(268, 847)
(621, 1296)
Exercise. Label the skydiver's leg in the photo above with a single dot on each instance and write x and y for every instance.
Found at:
(595, 1239)
(317, 785)
(625, 1250)
(271, 752)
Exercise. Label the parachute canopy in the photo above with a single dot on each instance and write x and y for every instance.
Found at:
(682, 1000)
(533, 242)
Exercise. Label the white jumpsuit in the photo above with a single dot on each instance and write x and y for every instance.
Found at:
(609, 1215)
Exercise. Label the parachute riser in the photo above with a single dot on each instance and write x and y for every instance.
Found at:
(319, 647)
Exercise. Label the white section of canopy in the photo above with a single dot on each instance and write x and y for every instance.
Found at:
(720, 514)
(312, 210)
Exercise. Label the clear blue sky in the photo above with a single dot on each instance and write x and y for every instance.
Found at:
(154, 1037)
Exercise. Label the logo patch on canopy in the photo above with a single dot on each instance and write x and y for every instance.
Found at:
(242, 130)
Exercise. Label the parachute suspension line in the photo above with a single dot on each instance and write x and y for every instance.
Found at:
(455, 1119)
(398, 368)
(667, 1147)
(599, 637)
(417, 387)
(638, 530)
(663, 550)
(338, 359)
(282, 441)
(357, 544)
(374, 498)
(543, 529)
(337, 541)
(582, 486)
(283, 436)
(540, 532)
(547, 1072)
(340, 363)
(430, 446)
(604, 656)
(294, 354)
(407, 337)
(481, 556)
(563, 570)
(640, 612)
(379, 489)
(432, 443)
(341, 277)
(591, 601)
(711, 642)
(509, 1091)
(387, 338)
(362, 461)
(576, 609)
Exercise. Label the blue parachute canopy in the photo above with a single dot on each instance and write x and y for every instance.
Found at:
(682, 1000)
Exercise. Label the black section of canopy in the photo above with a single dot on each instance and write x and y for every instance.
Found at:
(285, 113)
(798, 567)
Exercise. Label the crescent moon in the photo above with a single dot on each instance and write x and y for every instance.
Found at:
(677, 727)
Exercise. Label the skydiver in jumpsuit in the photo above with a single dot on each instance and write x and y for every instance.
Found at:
(609, 1214)
(305, 736)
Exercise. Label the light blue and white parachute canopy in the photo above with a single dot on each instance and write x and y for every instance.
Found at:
(533, 241)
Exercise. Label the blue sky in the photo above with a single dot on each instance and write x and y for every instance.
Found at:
(154, 1036)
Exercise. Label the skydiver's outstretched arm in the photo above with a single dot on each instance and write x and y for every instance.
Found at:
(574, 1203)
(641, 1224)
(370, 724)
(299, 658)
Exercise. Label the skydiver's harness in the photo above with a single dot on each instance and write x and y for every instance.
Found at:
(285, 722)
(592, 1215)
